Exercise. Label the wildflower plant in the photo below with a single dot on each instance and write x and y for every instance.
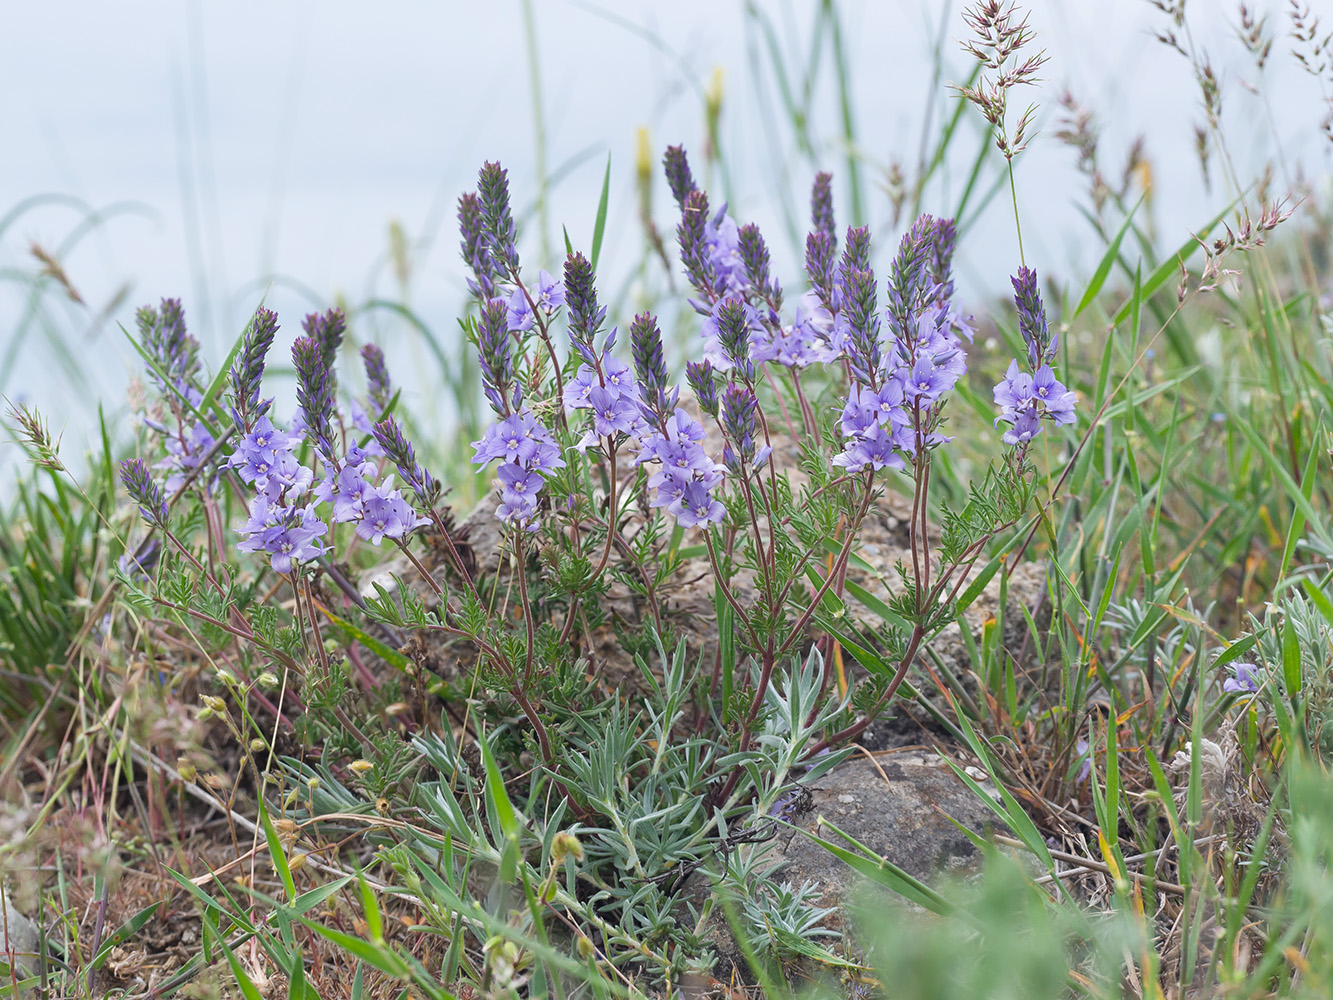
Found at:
(762, 461)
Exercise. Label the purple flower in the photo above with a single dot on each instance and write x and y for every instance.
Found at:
(493, 187)
(175, 353)
(695, 252)
(699, 375)
(1025, 399)
(326, 329)
(345, 489)
(314, 388)
(877, 447)
(1026, 424)
(821, 204)
(683, 459)
(550, 293)
(520, 489)
(519, 439)
(618, 378)
(755, 261)
(585, 315)
(738, 424)
(696, 505)
(475, 247)
(649, 366)
(520, 313)
(909, 276)
(1056, 401)
(1015, 391)
(612, 412)
(399, 450)
(1032, 318)
(264, 457)
(288, 534)
(1085, 771)
(495, 352)
(184, 453)
(727, 333)
(1245, 678)
(820, 253)
(925, 383)
(385, 514)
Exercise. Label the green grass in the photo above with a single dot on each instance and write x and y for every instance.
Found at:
(402, 837)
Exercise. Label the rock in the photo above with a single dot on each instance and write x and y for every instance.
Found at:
(897, 805)
(18, 936)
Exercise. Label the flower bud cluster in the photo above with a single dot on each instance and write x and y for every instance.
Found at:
(1032, 393)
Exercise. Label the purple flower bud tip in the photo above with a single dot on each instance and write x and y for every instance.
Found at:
(139, 484)
(377, 375)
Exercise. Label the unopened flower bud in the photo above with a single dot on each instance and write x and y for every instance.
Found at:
(360, 766)
(566, 845)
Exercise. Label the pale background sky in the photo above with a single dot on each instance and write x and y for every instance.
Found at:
(282, 138)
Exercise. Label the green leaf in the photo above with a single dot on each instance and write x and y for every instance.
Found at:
(883, 872)
(371, 908)
(1236, 650)
(248, 988)
(378, 957)
(385, 652)
(275, 851)
(876, 605)
(599, 227)
(307, 901)
(297, 989)
(1163, 273)
(1297, 517)
(1104, 266)
(125, 931)
(1291, 658)
(1013, 814)
(1319, 599)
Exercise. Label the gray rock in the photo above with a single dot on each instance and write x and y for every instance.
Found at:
(898, 806)
(18, 935)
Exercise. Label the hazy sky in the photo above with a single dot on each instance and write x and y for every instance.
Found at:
(260, 139)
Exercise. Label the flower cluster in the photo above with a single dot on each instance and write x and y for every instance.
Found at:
(379, 512)
(173, 364)
(550, 297)
(687, 478)
(604, 385)
(895, 405)
(525, 449)
(1025, 397)
(288, 535)
(277, 525)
